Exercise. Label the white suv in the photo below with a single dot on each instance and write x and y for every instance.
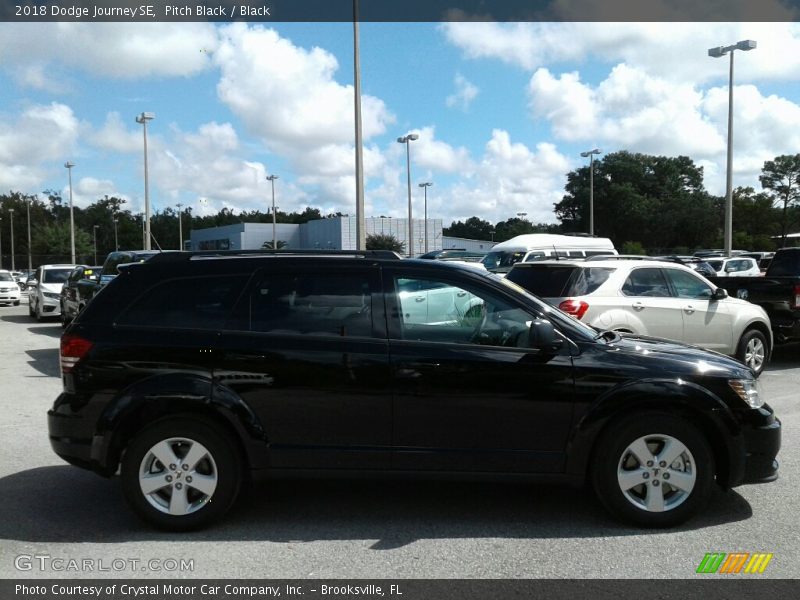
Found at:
(735, 267)
(652, 298)
(45, 299)
(9, 290)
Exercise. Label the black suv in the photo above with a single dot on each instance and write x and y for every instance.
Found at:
(193, 371)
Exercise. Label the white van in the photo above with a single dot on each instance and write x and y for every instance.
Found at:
(541, 246)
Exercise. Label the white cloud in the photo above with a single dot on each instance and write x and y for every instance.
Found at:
(287, 95)
(465, 93)
(118, 50)
(115, 136)
(674, 51)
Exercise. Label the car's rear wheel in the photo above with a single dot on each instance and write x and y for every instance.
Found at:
(653, 470)
(753, 350)
(181, 474)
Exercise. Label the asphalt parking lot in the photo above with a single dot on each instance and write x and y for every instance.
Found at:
(366, 529)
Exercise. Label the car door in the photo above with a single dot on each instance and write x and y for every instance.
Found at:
(306, 349)
(706, 322)
(650, 304)
(469, 394)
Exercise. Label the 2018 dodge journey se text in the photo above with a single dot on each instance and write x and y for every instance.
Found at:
(194, 371)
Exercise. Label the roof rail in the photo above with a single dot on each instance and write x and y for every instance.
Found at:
(619, 257)
(186, 256)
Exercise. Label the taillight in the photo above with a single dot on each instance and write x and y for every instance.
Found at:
(796, 303)
(73, 349)
(575, 308)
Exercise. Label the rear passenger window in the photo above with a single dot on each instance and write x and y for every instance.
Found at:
(186, 303)
(334, 304)
(646, 282)
(588, 280)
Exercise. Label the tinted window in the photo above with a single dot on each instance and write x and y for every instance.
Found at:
(6, 277)
(785, 264)
(646, 282)
(687, 285)
(186, 303)
(444, 312)
(546, 282)
(333, 304)
(494, 260)
(588, 279)
(56, 275)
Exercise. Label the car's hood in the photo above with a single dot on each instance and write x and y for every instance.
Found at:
(51, 287)
(679, 358)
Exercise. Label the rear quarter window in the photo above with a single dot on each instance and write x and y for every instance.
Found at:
(185, 303)
(545, 282)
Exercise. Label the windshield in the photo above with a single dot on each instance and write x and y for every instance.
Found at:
(56, 275)
(494, 260)
(6, 277)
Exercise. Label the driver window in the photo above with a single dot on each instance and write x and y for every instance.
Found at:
(689, 286)
(437, 311)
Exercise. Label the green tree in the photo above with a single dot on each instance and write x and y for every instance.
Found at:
(278, 243)
(658, 199)
(385, 241)
(781, 178)
(473, 228)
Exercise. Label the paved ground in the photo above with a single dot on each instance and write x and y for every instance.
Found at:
(359, 530)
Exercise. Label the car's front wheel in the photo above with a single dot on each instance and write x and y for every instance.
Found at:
(753, 350)
(653, 470)
(181, 473)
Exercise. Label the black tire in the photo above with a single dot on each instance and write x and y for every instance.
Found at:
(753, 350)
(614, 466)
(16, 303)
(221, 462)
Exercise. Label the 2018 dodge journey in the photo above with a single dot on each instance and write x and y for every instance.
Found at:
(194, 371)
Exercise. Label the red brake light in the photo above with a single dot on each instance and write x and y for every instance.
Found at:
(796, 296)
(574, 308)
(73, 348)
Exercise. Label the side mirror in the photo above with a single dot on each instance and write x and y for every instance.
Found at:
(542, 336)
(719, 294)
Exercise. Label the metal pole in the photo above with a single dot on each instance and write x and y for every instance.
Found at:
(271, 179)
(180, 228)
(729, 176)
(11, 212)
(94, 231)
(30, 257)
(143, 119)
(425, 218)
(410, 218)
(591, 194)
(116, 240)
(1, 242)
(361, 234)
(69, 166)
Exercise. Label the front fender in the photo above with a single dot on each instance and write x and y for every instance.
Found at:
(698, 404)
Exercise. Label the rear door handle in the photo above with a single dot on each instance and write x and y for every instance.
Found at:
(638, 306)
(688, 309)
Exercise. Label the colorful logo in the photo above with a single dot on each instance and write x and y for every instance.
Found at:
(736, 562)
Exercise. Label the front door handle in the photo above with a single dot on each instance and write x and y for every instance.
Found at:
(638, 306)
(419, 299)
(688, 309)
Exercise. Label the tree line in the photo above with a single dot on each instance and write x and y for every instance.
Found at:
(642, 202)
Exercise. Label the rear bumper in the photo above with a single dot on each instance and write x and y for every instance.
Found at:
(72, 435)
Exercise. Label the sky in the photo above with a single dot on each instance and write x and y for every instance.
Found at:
(502, 111)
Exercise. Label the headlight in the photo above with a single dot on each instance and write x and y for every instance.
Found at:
(748, 390)
(52, 295)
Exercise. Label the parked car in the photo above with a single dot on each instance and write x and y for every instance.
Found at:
(658, 299)
(71, 301)
(777, 292)
(763, 258)
(87, 288)
(44, 298)
(28, 282)
(9, 289)
(540, 246)
(192, 370)
(738, 266)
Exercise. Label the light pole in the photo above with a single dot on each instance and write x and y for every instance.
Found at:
(180, 227)
(142, 120)
(361, 232)
(717, 53)
(69, 166)
(116, 239)
(11, 212)
(30, 261)
(1, 242)
(522, 215)
(590, 154)
(271, 179)
(406, 139)
(425, 187)
(94, 231)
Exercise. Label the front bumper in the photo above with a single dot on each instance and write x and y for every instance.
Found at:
(760, 442)
(10, 296)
